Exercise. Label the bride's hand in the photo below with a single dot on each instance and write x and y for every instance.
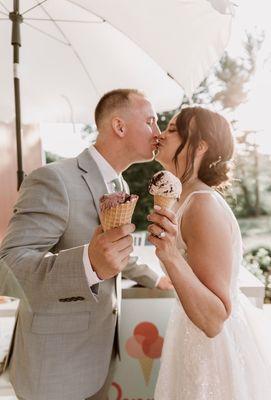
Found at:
(163, 232)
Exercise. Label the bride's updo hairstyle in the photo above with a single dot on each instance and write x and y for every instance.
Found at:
(195, 124)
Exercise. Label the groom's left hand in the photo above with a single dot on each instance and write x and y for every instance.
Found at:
(165, 283)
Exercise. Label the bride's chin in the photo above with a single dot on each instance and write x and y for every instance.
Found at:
(159, 157)
(159, 161)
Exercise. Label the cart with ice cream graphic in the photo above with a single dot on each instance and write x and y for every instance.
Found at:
(145, 345)
(144, 319)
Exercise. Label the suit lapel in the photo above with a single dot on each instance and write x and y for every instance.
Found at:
(92, 176)
(94, 180)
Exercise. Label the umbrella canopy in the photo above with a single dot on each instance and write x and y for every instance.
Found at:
(73, 51)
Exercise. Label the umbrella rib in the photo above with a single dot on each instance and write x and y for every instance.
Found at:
(56, 25)
(133, 41)
(74, 51)
(46, 34)
(63, 20)
(32, 8)
(3, 5)
(86, 9)
(86, 71)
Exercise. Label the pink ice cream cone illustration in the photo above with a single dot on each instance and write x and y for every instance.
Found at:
(145, 345)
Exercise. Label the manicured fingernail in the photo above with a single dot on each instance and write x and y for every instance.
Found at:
(157, 207)
(148, 217)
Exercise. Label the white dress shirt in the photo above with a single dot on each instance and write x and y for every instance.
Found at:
(108, 173)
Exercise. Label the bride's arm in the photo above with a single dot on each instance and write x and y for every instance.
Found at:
(203, 281)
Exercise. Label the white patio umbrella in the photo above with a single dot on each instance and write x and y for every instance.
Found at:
(73, 51)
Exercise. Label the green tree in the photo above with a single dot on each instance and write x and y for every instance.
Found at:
(51, 157)
(233, 76)
(138, 177)
(249, 186)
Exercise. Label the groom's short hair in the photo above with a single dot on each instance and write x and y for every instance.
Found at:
(112, 101)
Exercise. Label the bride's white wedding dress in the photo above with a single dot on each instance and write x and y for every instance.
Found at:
(236, 364)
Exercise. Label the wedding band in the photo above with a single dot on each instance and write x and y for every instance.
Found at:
(161, 235)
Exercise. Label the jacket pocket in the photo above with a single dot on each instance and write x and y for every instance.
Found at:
(46, 324)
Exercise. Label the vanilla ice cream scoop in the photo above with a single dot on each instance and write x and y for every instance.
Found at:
(165, 184)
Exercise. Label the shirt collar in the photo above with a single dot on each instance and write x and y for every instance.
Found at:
(107, 171)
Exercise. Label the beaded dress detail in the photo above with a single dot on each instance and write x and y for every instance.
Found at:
(234, 365)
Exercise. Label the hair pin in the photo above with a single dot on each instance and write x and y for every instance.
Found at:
(214, 163)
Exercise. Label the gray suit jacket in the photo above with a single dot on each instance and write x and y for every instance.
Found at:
(65, 330)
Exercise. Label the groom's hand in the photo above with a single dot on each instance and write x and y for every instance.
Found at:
(109, 251)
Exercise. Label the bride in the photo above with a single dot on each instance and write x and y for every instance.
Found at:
(217, 345)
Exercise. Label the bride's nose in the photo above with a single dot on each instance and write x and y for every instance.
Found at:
(162, 136)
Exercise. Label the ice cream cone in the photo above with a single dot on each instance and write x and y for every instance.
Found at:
(166, 188)
(119, 215)
(164, 201)
(146, 367)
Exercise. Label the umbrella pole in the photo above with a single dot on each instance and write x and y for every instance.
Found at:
(16, 19)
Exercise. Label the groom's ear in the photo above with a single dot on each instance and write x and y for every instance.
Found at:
(118, 126)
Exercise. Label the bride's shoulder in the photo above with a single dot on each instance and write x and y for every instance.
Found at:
(205, 217)
(204, 205)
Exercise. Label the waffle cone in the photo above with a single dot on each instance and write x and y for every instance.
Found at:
(164, 201)
(146, 367)
(117, 216)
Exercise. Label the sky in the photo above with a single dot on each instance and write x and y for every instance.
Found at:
(250, 15)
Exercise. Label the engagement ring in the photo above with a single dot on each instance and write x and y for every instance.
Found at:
(161, 235)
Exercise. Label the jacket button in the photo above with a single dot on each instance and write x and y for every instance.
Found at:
(115, 310)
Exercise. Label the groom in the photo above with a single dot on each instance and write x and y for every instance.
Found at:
(66, 338)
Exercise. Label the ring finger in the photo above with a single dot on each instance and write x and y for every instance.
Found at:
(155, 230)
(161, 221)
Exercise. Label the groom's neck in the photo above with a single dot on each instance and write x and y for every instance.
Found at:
(113, 156)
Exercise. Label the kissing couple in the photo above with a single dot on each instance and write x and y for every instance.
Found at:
(66, 340)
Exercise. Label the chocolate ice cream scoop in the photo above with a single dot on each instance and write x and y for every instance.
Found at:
(111, 200)
(116, 209)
